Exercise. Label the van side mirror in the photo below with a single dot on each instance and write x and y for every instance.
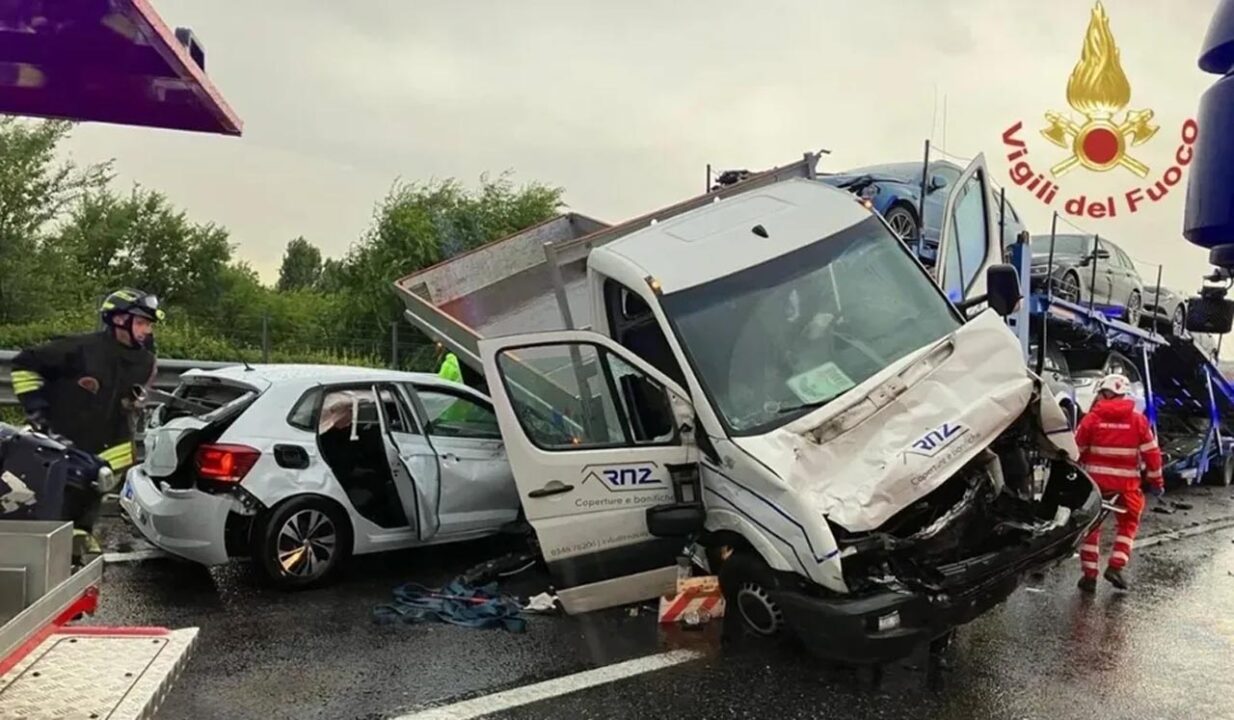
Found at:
(1003, 288)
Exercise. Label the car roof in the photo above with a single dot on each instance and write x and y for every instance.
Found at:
(717, 240)
(309, 375)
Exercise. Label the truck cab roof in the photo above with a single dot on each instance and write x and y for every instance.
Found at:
(720, 238)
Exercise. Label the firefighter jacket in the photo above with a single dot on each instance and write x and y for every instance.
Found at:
(82, 386)
(1114, 442)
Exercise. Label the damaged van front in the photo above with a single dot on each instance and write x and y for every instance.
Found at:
(775, 376)
(929, 529)
(900, 440)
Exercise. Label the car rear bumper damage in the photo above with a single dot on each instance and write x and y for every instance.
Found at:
(184, 522)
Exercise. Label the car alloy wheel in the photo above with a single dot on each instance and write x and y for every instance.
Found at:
(306, 544)
(1134, 309)
(1068, 288)
(902, 223)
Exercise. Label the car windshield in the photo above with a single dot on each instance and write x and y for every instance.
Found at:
(774, 341)
(1063, 245)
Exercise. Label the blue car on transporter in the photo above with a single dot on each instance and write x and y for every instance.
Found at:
(895, 191)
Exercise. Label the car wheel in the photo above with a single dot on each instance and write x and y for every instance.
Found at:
(903, 222)
(303, 542)
(747, 583)
(1068, 288)
(1178, 323)
(1135, 308)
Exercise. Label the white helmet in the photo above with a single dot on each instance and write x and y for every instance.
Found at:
(1115, 383)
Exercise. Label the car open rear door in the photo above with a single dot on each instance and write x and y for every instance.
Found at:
(970, 243)
(595, 437)
(412, 460)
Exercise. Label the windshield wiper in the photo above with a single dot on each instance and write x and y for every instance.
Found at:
(805, 406)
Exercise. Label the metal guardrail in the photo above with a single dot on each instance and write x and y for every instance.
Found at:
(169, 371)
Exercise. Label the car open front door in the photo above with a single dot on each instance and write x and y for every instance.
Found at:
(970, 243)
(595, 437)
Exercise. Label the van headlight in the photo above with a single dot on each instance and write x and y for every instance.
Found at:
(106, 480)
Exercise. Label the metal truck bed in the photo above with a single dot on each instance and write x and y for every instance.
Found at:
(50, 668)
(535, 280)
(501, 288)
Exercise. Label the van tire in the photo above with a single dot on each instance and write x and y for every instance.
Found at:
(748, 583)
(304, 517)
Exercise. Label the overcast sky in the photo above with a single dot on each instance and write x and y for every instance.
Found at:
(624, 103)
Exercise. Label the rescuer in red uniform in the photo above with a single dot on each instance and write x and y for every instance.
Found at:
(1115, 441)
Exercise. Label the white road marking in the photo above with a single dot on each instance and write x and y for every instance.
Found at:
(548, 689)
(133, 556)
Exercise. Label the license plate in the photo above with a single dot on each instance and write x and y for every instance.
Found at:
(127, 493)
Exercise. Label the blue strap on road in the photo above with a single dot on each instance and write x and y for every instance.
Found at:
(456, 604)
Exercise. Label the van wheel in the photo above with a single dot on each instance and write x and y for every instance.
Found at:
(747, 583)
(303, 542)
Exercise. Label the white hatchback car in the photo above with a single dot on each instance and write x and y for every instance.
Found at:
(301, 466)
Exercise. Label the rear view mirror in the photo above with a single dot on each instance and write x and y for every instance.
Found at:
(1210, 313)
(1101, 254)
(1003, 288)
(676, 519)
(937, 182)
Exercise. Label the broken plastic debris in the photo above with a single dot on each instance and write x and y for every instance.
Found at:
(542, 603)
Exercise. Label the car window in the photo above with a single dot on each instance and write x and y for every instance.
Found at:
(948, 173)
(397, 415)
(449, 414)
(301, 415)
(1126, 260)
(350, 409)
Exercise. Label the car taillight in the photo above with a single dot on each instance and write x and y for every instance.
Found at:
(226, 463)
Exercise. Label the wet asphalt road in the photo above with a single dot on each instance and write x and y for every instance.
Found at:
(1165, 650)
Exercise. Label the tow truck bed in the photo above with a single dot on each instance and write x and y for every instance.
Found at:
(50, 670)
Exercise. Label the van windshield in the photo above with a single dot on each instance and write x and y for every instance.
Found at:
(777, 340)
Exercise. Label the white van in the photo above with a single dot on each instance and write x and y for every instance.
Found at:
(771, 373)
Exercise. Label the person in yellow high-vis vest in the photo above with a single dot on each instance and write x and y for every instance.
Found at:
(449, 369)
(81, 388)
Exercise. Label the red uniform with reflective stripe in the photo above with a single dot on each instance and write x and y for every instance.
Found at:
(1115, 441)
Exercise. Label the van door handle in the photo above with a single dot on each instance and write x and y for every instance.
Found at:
(553, 488)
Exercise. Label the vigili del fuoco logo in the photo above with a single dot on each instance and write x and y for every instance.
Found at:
(1106, 139)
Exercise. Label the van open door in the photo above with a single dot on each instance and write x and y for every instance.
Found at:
(970, 243)
(596, 437)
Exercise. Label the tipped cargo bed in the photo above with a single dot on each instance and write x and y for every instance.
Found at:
(534, 280)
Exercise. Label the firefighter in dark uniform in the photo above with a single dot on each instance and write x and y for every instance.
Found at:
(83, 389)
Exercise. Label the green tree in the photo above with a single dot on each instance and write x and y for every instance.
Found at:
(142, 241)
(301, 268)
(35, 191)
(419, 224)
